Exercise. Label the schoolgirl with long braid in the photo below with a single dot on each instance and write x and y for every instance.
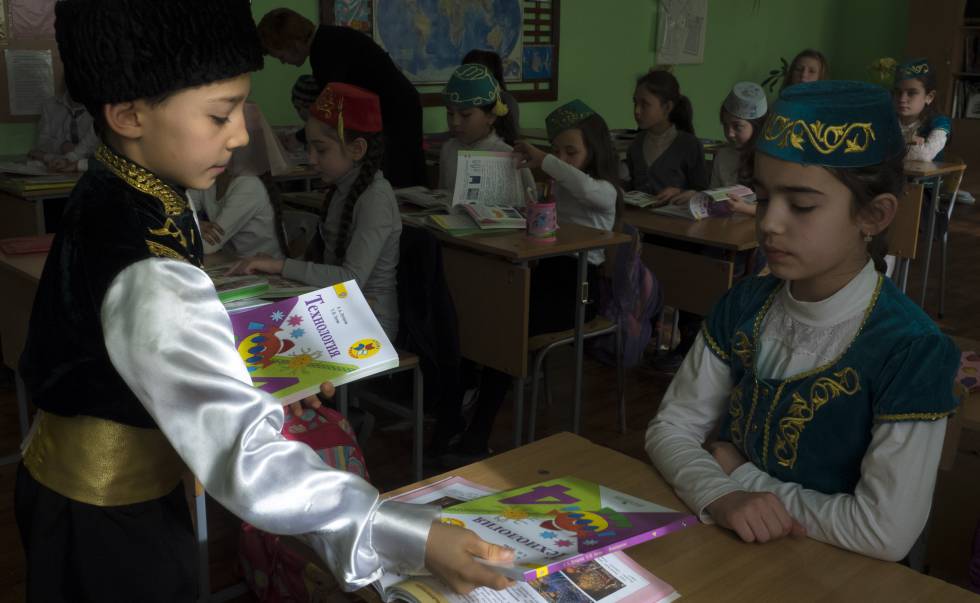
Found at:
(360, 225)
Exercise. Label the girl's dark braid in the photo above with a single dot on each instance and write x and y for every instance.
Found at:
(369, 167)
(275, 199)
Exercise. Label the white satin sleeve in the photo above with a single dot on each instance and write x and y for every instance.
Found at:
(170, 339)
(691, 408)
(890, 504)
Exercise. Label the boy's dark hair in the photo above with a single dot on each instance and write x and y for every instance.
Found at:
(490, 60)
(664, 86)
(370, 165)
(808, 53)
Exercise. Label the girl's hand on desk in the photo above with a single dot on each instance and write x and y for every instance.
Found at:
(60, 164)
(258, 264)
(674, 195)
(739, 205)
(326, 390)
(755, 516)
(450, 553)
(211, 232)
(918, 140)
(528, 155)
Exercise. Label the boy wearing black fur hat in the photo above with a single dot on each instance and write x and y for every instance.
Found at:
(130, 357)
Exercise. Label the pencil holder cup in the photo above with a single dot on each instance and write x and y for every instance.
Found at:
(542, 222)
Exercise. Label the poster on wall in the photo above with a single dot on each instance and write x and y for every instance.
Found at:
(538, 61)
(355, 14)
(427, 39)
(31, 19)
(30, 80)
(681, 26)
(3, 23)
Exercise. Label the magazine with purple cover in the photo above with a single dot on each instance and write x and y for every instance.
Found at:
(564, 522)
(293, 345)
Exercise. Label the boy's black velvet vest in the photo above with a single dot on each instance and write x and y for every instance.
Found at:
(117, 215)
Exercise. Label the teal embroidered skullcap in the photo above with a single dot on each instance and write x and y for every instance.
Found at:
(566, 116)
(747, 100)
(912, 68)
(473, 85)
(832, 123)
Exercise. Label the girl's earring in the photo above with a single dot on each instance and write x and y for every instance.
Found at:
(867, 237)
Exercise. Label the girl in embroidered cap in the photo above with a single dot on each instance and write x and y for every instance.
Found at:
(830, 388)
(742, 116)
(586, 188)
(475, 114)
(926, 131)
(130, 357)
(360, 229)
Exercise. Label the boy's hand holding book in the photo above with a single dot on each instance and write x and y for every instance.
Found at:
(451, 555)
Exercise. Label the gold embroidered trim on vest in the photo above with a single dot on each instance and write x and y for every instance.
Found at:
(801, 411)
(916, 416)
(736, 412)
(712, 344)
(142, 180)
(170, 229)
(101, 462)
(742, 347)
(163, 251)
(776, 397)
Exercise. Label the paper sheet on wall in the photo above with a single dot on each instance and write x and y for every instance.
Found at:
(3, 23)
(681, 26)
(30, 80)
(31, 19)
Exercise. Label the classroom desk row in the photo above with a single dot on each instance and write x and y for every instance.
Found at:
(38, 211)
(703, 562)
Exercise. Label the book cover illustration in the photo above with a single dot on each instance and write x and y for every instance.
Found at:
(563, 522)
(293, 345)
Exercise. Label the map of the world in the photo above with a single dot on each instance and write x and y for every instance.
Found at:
(429, 38)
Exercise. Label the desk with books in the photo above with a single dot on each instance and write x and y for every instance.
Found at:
(693, 281)
(26, 203)
(703, 562)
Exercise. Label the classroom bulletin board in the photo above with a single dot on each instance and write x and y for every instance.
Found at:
(30, 69)
(427, 39)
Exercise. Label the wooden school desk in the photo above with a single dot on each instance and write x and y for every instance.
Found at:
(24, 212)
(933, 172)
(489, 278)
(19, 276)
(693, 281)
(705, 562)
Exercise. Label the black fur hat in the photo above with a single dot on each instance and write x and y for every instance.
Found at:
(122, 50)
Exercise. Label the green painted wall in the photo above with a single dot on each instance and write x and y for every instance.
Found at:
(603, 51)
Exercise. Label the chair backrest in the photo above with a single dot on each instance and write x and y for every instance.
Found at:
(300, 226)
(903, 233)
(951, 185)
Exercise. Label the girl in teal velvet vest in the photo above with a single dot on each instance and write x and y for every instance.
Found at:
(815, 399)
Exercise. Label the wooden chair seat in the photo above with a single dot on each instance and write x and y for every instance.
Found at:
(593, 327)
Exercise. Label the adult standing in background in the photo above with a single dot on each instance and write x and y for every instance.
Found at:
(342, 54)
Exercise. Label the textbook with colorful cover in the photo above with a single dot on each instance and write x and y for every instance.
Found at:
(493, 217)
(709, 203)
(613, 578)
(293, 345)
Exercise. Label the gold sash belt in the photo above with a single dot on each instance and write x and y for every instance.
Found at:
(101, 462)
